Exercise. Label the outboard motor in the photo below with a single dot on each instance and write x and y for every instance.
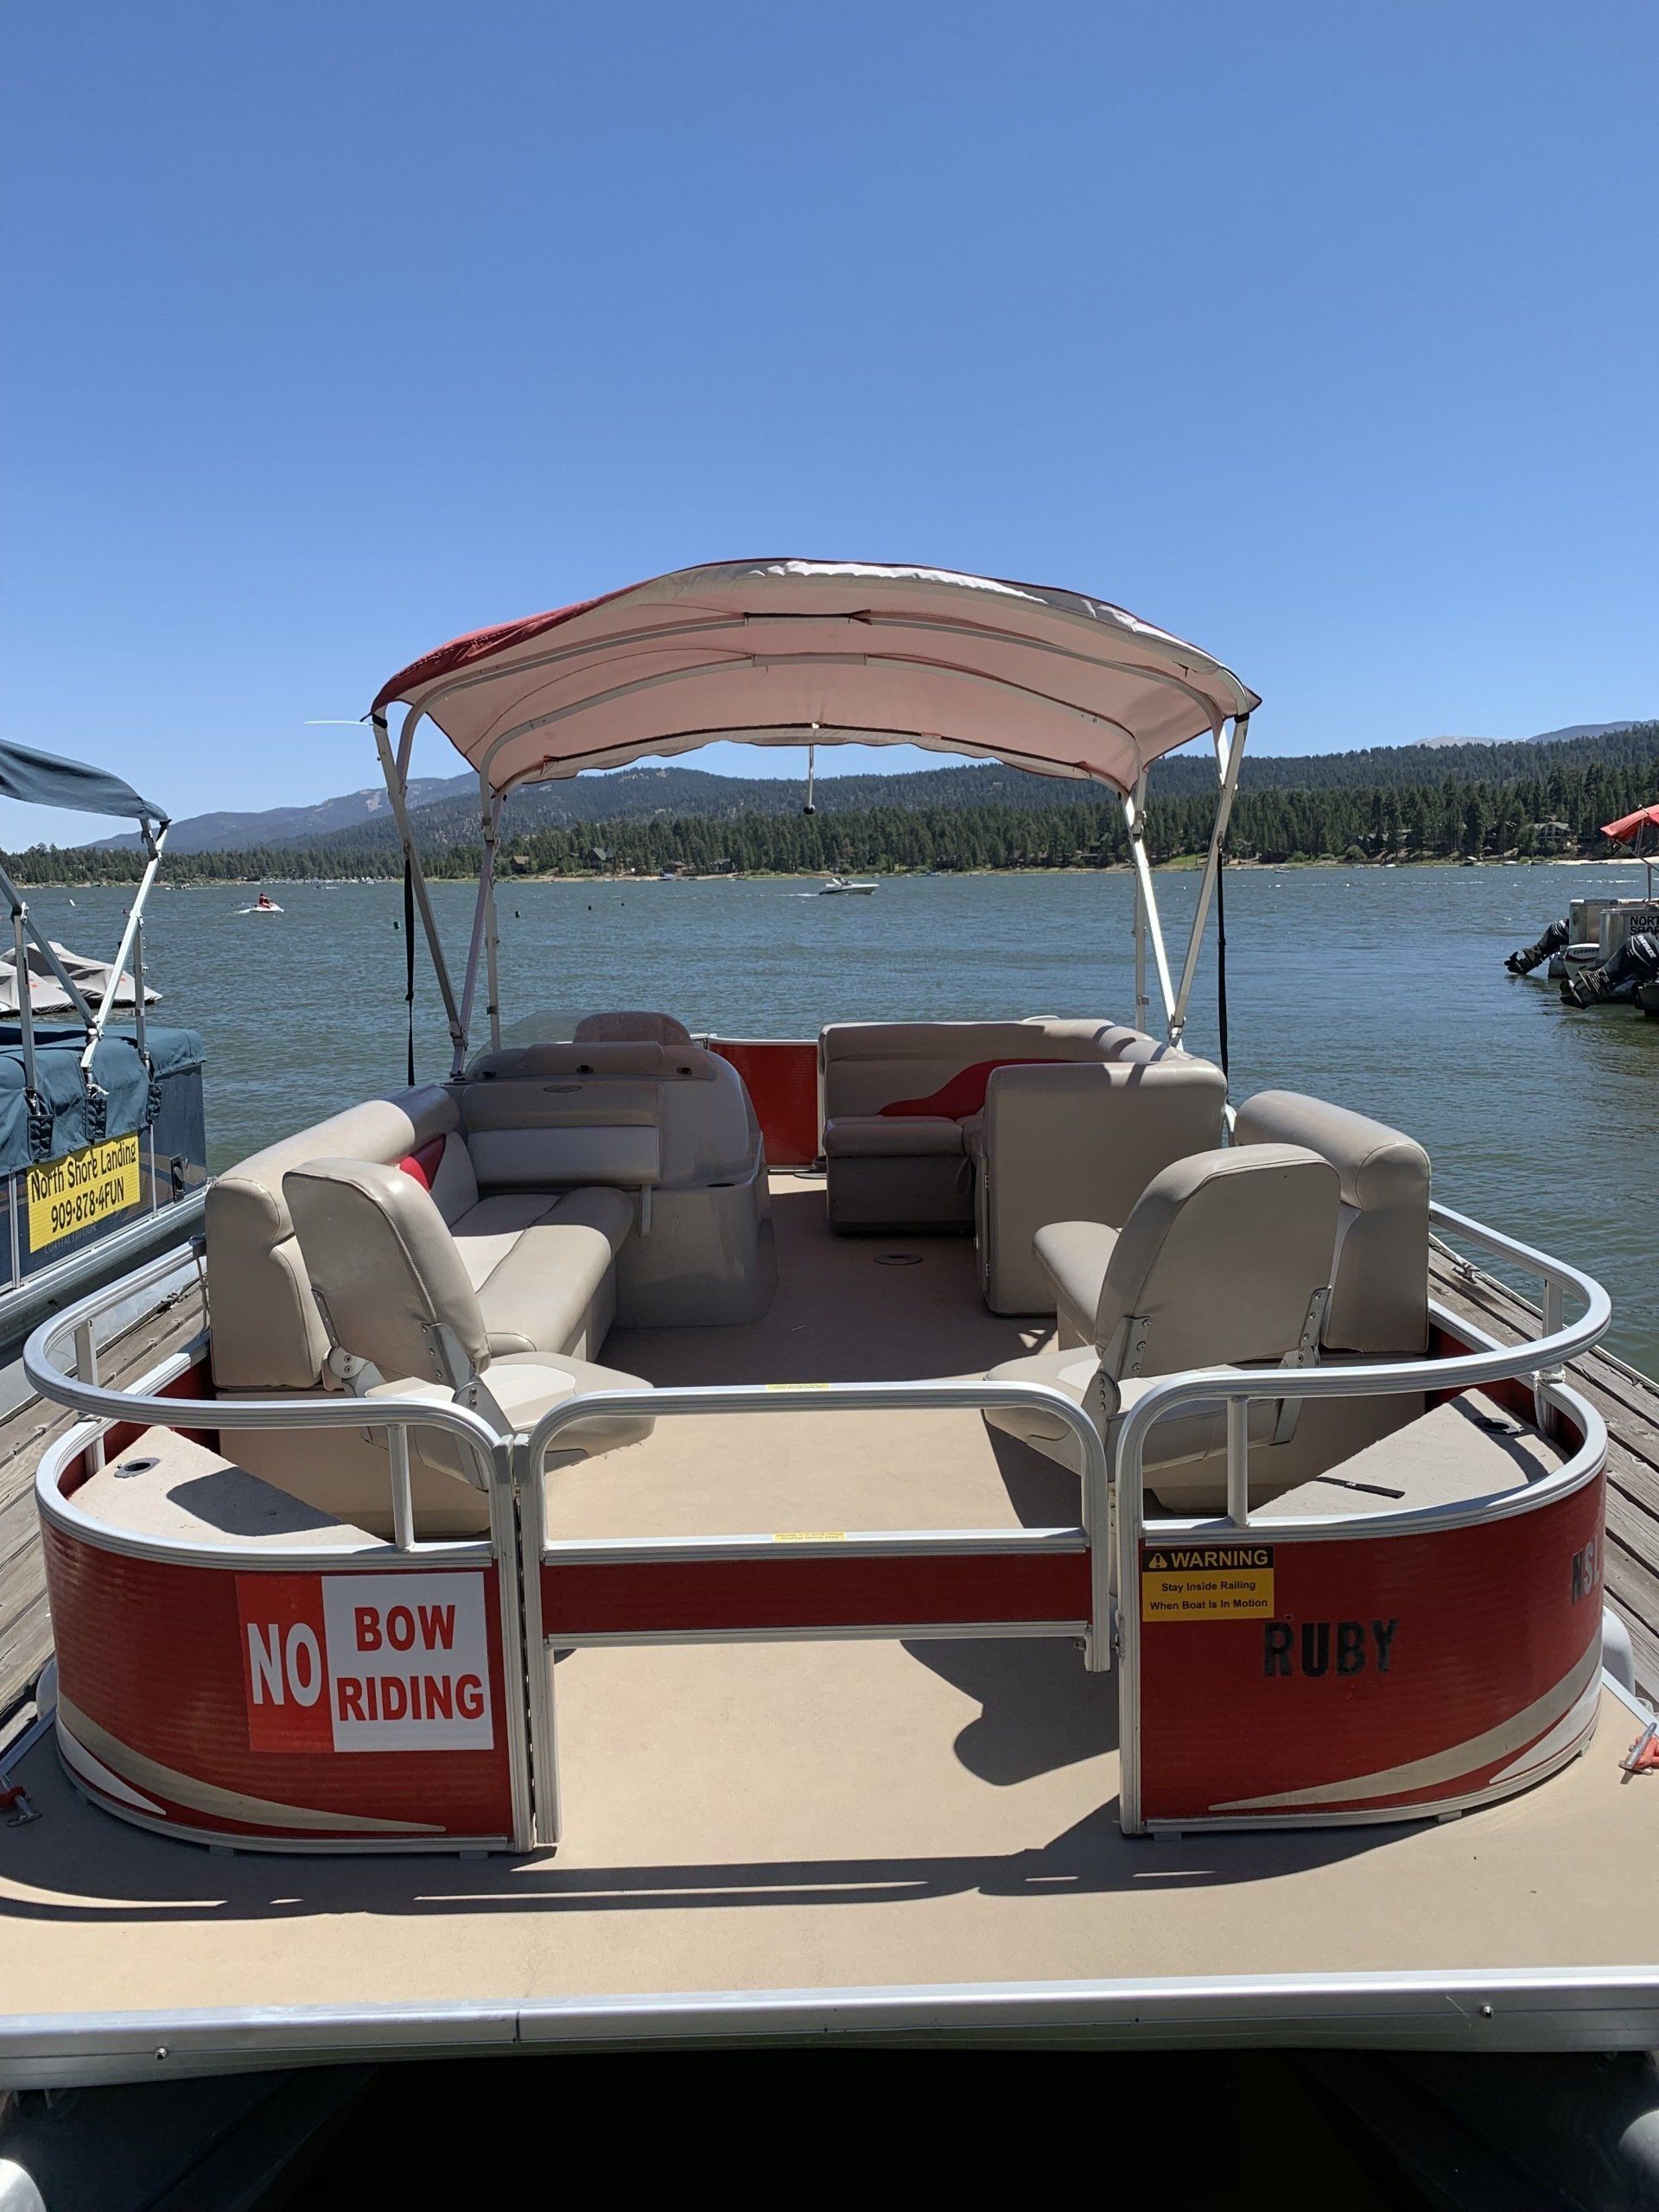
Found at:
(1635, 962)
(1554, 940)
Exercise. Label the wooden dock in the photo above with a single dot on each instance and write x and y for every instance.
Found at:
(1627, 1402)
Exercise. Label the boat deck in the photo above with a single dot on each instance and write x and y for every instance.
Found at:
(809, 1838)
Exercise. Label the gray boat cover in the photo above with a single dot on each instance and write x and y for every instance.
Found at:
(42, 779)
(132, 1101)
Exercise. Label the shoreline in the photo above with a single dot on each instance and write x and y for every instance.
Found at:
(1187, 864)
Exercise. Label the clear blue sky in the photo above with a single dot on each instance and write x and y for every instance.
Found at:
(1323, 335)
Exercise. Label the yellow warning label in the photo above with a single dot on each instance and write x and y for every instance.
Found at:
(809, 1535)
(1192, 1582)
(80, 1189)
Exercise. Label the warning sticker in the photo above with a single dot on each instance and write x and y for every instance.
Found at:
(1190, 1582)
(365, 1663)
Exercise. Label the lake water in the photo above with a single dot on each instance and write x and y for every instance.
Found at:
(1381, 990)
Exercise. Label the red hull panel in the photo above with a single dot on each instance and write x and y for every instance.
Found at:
(782, 1076)
(624, 1598)
(155, 1679)
(1328, 1679)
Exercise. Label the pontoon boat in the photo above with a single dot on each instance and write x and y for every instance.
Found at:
(935, 1530)
(101, 1130)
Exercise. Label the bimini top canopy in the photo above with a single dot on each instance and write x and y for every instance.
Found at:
(782, 652)
(43, 779)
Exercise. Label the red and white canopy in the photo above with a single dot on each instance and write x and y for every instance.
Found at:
(1631, 825)
(780, 652)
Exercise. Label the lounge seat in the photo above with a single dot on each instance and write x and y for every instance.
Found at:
(665, 1127)
(393, 1289)
(1224, 1261)
(981, 1125)
(543, 1268)
(550, 1261)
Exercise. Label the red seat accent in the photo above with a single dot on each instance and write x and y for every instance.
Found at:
(964, 1094)
(424, 1163)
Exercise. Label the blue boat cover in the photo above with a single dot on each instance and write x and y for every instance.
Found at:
(116, 1069)
(42, 779)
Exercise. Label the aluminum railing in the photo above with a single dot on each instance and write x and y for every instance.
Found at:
(508, 1467)
(1093, 1536)
(1541, 1360)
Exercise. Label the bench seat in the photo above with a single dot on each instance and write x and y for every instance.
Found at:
(543, 1267)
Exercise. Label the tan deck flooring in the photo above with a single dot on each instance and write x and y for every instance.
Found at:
(801, 1815)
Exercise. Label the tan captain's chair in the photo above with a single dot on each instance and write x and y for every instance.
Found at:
(1223, 1262)
(394, 1293)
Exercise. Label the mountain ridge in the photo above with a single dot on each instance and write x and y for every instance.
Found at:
(446, 807)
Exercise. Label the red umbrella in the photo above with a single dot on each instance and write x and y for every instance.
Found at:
(1631, 825)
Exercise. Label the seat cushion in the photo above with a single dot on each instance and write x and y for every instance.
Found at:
(1193, 1433)
(522, 1389)
(534, 1297)
(1075, 1255)
(896, 1136)
(486, 1232)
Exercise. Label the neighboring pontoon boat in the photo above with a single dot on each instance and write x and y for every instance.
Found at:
(1092, 1627)
(101, 1131)
(1602, 949)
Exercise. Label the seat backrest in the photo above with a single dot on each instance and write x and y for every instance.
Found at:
(1081, 1143)
(938, 1067)
(1219, 1263)
(631, 1028)
(384, 1270)
(1379, 1295)
(266, 1333)
(541, 1116)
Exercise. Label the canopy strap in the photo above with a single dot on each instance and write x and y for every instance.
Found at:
(408, 958)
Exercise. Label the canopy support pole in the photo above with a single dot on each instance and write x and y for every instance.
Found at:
(98, 1022)
(1140, 1000)
(1147, 901)
(395, 768)
(139, 1031)
(24, 925)
(492, 940)
(482, 947)
(25, 1005)
(1228, 757)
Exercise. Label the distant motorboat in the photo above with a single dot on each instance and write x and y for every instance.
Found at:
(838, 886)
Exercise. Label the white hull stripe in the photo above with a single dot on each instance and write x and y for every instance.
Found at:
(1519, 1734)
(97, 1775)
(207, 1797)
